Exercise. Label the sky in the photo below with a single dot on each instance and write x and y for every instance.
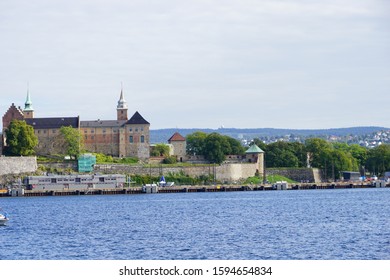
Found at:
(297, 64)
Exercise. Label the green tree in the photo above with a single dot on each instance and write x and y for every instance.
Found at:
(281, 154)
(359, 153)
(20, 139)
(378, 159)
(300, 152)
(319, 152)
(160, 150)
(236, 147)
(170, 160)
(338, 161)
(73, 140)
(196, 142)
(216, 148)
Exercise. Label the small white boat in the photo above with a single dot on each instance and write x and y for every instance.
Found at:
(3, 219)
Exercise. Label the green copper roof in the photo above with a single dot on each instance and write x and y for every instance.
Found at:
(254, 149)
(28, 104)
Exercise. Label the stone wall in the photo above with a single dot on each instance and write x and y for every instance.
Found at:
(103, 140)
(297, 174)
(50, 142)
(224, 172)
(61, 166)
(17, 165)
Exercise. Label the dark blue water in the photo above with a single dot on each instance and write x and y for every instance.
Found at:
(315, 224)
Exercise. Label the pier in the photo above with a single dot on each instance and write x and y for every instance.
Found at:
(192, 189)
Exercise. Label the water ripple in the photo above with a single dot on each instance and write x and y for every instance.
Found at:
(328, 224)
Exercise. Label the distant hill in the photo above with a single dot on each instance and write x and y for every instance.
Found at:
(162, 135)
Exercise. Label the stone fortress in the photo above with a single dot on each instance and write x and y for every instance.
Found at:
(122, 137)
(126, 137)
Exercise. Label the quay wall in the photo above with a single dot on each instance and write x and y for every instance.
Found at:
(228, 172)
(224, 172)
(17, 165)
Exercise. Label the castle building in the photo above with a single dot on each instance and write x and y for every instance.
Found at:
(179, 145)
(122, 137)
(47, 130)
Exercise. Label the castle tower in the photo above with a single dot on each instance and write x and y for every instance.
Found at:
(28, 108)
(121, 109)
(256, 155)
(179, 145)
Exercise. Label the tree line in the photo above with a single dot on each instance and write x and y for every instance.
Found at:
(332, 158)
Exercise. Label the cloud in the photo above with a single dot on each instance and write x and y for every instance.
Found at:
(187, 57)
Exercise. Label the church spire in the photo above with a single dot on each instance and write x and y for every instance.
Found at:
(121, 108)
(28, 104)
(28, 108)
(122, 104)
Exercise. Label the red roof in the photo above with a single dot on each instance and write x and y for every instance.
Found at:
(176, 137)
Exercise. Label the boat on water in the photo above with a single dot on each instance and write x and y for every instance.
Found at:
(3, 219)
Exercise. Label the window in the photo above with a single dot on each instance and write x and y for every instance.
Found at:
(85, 137)
(92, 137)
(131, 140)
(54, 131)
(142, 139)
(92, 131)
(136, 130)
(78, 180)
(130, 129)
(142, 128)
(53, 181)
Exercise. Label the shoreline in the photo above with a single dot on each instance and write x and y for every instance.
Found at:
(153, 189)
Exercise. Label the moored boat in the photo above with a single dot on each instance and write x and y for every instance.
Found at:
(3, 219)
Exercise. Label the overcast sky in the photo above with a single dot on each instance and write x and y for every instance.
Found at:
(200, 63)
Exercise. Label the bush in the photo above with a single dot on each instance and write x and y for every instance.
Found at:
(128, 160)
(254, 180)
(102, 158)
(170, 160)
